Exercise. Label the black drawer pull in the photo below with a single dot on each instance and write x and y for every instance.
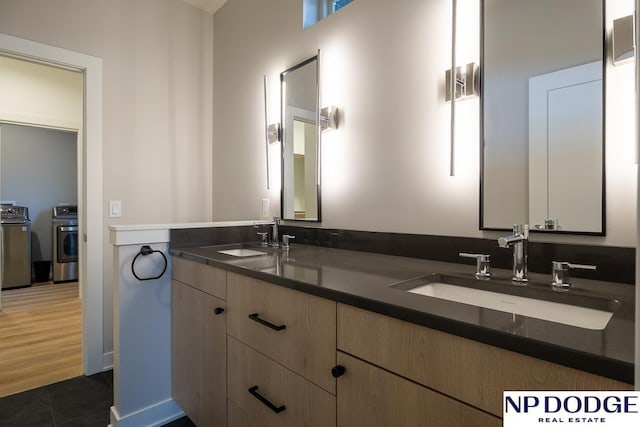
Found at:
(256, 318)
(254, 392)
(218, 310)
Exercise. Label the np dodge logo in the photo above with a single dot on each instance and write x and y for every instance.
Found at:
(543, 408)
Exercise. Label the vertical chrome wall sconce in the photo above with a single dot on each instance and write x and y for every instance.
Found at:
(461, 81)
(328, 118)
(623, 40)
(452, 86)
(271, 131)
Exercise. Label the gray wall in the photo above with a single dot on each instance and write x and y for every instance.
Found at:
(38, 170)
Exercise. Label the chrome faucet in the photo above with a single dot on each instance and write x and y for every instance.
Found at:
(483, 264)
(561, 276)
(274, 232)
(519, 241)
(285, 241)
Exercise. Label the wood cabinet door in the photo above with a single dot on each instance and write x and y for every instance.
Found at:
(187, 309)
(214, 362)
(199, 355)
(370, 396)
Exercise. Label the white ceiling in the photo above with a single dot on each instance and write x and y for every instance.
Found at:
(207, 5)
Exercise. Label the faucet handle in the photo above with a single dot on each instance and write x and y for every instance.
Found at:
(561, 279)
(285, 240)
(549, 224)
(264, 240)
(483, 264)
(522, 229)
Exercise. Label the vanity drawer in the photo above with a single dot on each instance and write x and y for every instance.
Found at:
(201, 276)
(236, 416)
(300, 403)
(372, 397)
(467, 370)
(295, 329)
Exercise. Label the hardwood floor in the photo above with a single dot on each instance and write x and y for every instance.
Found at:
(40, 336)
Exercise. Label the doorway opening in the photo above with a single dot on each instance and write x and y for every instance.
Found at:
(89, 172)
(41, 319)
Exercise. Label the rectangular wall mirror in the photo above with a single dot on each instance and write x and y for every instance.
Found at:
(542, 157)
(300, 198)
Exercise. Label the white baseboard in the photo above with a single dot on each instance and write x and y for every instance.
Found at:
(152, 416)
(107, 361)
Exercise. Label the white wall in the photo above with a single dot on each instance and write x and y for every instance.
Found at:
(157, 57)
(386, 168)
(39, 170)
(39, 94)
(142, 334)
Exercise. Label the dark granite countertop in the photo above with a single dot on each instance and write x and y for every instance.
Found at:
(364, 280)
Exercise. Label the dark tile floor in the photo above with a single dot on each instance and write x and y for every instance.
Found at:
(181, 422)
(78, 402)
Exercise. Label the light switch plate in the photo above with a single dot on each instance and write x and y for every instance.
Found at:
(265, 208)
(115, 208)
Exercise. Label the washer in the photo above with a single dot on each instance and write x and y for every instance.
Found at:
(16, 246)
(65, 243)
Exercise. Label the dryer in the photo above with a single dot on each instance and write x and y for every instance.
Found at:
(65, 243)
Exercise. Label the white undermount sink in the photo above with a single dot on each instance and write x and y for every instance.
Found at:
(242, 252)
(596, 317)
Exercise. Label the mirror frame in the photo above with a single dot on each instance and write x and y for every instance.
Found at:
(307, 61)
(605, 58)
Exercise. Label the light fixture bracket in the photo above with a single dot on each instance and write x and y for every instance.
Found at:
(328, 118)
(467, 82)
(274, 133)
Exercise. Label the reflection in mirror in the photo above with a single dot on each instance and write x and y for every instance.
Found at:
(542, 108)
(300, 145)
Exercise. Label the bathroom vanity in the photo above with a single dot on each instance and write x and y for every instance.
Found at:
(326, 337)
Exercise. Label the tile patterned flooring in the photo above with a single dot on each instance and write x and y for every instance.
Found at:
(78, 402)
(181, 422)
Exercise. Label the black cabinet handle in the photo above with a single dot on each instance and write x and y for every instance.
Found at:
(256, 318)
(254, 392)
(218, 310)
(338, 371)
